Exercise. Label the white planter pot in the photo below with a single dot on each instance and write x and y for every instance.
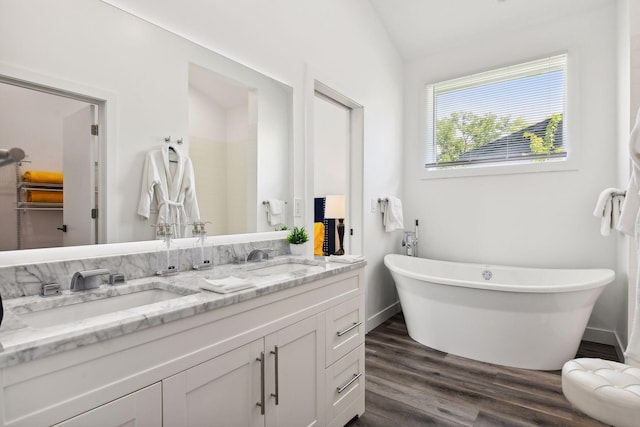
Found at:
(300, 249)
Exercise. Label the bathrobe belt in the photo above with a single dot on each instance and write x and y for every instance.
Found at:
(182, 214)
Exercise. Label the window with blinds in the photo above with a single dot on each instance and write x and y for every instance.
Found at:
(510, 115)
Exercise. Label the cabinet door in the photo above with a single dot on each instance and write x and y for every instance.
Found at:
(140, 409)
(220, 392)
(298, 382)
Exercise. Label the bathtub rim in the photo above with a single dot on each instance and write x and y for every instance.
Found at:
(601, 277)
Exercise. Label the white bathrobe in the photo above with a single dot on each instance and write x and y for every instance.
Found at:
(630, 224)
(174, 191)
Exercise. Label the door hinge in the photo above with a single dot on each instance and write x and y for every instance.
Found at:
(94, 130)
(94, 213)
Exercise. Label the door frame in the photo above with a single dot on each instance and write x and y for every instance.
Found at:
(355, 163)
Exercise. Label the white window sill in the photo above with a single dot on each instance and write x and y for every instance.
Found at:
(501, 169)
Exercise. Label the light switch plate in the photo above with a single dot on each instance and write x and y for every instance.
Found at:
(297, 207)
(374, 205)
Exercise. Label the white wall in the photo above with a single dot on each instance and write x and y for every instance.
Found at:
(330, 154)
(208, 153)
(538, 219)
(240, 135)
(342, 41)
(273, 161)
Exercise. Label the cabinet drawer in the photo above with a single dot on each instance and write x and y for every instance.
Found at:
(344, 328)
(345, 383)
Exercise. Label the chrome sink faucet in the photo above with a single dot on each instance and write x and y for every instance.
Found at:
(87, 279)
(257, 255)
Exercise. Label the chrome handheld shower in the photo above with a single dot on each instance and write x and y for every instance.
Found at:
(12, 155)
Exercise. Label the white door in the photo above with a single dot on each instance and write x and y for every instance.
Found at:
(297, 378)
(221, 392)
(79, 178)
(140, 409)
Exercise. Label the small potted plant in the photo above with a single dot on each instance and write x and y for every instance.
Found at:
(297, 238)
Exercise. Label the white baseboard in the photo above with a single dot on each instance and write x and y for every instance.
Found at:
(380, 317)
(603, 336)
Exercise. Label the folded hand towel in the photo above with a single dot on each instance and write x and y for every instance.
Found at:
(608, 209)
(43, 176)
(345, 259)
(44, 196)
(226, 285)
(275, 212)
(392, 217)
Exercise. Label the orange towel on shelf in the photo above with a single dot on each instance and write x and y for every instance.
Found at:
(43, 176)
(44, 196)
(318, 238)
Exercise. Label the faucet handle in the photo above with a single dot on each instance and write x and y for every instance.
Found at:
(117, 278)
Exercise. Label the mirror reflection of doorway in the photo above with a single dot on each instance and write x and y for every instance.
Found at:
(49, 198)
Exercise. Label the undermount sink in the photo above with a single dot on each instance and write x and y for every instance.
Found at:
(74, 310)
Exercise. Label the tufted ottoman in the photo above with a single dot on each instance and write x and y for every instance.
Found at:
(607, 391)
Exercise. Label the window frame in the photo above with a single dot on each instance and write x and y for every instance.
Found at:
(570, 130)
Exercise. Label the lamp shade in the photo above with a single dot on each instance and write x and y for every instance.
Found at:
(334, 206)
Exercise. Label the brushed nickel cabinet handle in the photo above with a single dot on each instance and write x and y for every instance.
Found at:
(276, 394)
(355, 325)
(351, 381)
(261, 403)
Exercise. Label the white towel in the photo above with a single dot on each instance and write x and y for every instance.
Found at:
(608, 209)
(392, 218)
(275, 212)
(226, 285)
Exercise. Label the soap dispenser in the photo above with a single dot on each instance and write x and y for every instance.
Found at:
(167, 258)
(201, 254)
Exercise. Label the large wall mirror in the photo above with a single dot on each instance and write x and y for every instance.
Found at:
(142, 84)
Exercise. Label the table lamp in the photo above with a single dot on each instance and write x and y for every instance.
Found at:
(335, 209)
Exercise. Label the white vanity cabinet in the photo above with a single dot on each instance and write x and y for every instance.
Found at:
(273, 381)
(289, 350)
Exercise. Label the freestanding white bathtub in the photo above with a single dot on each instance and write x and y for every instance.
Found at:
(523, 317)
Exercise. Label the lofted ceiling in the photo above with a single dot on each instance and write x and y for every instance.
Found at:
(417, 27)
(421, 27)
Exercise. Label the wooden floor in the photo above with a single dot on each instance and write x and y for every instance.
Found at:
(408, 384)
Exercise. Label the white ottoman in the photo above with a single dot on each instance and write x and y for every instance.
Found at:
(607, 391)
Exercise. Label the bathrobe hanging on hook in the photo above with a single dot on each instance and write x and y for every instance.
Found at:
(173, 184)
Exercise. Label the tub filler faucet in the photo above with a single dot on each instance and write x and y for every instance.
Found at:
(410, 241)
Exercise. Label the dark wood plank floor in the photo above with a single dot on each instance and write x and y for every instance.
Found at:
(409, 384)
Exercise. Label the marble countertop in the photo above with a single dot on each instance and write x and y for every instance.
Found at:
(22, 343)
